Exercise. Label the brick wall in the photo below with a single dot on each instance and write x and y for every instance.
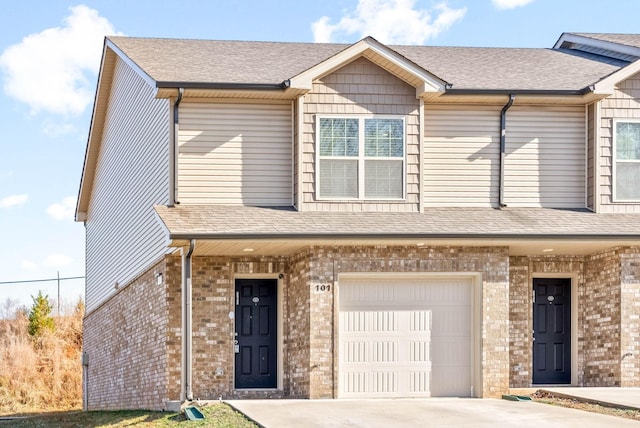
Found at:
(297, 336)
(630, 317)
(520, 322)
(601, 308)
(173, 279)
(125, 340)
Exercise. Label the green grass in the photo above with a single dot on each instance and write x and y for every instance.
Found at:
(216, 416)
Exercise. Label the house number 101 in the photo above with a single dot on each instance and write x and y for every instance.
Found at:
(322, 288)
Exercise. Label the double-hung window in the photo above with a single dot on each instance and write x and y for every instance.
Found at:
(361, 158)
(627, 160)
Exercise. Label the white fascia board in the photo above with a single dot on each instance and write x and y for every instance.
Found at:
(305, 79)
(134, 66)
(607, 85)
(86, 179)
(597, 43)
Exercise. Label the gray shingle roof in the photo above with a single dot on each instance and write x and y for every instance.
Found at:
(508, 68)
(227, 222)
(180, 60)
(211, 61)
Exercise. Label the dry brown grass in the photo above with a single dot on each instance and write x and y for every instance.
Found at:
(41, 374)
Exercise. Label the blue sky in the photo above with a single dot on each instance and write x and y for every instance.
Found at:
(49, 58)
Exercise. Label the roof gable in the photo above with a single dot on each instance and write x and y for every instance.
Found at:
(382, 56)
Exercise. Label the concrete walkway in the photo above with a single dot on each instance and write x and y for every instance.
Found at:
(620, 397)
(432, 412)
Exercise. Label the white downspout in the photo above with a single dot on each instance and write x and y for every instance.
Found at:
(173, 144)
(187, 329)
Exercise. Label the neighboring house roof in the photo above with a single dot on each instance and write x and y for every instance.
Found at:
(230, 222)
(199, 61)
(622, 47)
(621, 39)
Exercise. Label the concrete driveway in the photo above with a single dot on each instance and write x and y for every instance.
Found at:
(432, 412)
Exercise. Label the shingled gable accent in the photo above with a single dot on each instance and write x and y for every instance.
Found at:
(379, 54)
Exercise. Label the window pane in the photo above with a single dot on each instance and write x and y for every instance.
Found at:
(627, 181)
(383, 179)
(338, 178)
(384, 138)
(628, 141)
(337, 137)
(325, 146)
(352, 146)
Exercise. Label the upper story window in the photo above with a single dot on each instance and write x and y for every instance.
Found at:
(626, 168)
(361, 157)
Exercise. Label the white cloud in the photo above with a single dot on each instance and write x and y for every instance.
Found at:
(54, 70)
(57, 129)
(28, 265)
(510, 4)
(57, 260)
(13, 200)
(63, 210)
(389, 21)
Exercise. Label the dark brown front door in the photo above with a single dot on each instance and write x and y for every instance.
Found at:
(256, 335)
(552, 331)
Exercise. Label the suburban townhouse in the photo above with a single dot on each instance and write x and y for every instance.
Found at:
(297, 220)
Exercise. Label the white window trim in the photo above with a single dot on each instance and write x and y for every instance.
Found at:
(361, 157)
(614, 154)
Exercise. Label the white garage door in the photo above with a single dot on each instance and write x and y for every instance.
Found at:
(405, 337)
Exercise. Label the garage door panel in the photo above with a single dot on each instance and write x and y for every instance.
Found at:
(451, 351)
(451, 321)
(369, 321)
(451, 381)
(383, 383)
(420, 351)
(405, 337)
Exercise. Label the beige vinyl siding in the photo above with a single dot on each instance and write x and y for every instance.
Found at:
(235, 153)
(123, 235)
(361, 88)
(545, 157)
(624, 103)
(461, 155)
